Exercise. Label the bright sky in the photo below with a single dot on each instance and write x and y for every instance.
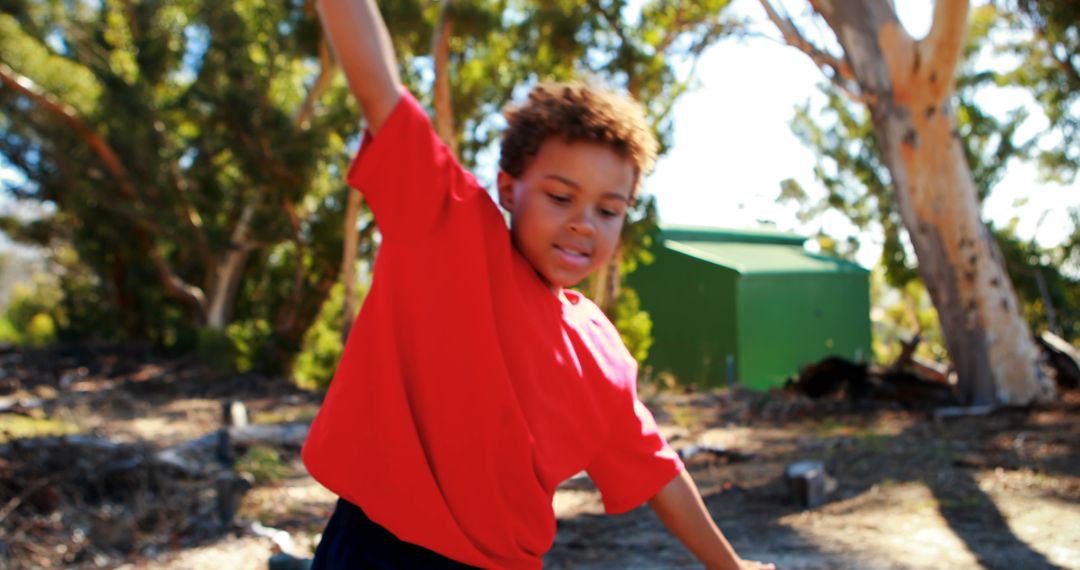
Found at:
(733, 145)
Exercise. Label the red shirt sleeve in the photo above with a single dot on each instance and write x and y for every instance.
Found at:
(637, 462)
(406, 173)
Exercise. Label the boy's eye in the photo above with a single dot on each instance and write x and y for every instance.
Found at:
(559, 198)
(609, 213)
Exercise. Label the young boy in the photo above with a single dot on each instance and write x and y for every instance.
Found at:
(474, 382)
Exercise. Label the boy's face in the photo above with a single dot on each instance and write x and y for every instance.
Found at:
(567, 208)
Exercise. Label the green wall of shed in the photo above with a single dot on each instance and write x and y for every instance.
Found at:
(784, 322)
(695, 304)
(770, 321)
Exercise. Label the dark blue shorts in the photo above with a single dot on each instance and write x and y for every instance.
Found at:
(351, 540)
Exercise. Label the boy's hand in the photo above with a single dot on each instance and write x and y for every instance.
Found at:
(682, 511)
(752, 565)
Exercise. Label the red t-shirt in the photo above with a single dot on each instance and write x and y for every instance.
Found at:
(467, 390)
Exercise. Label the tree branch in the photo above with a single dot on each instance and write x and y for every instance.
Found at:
(348, 260)
(675, 29)
(839, 72)
(190, 295)
(1065, 63)
(940, 49)
(129, 15)
(69, 115)
(327, 65)
(191, 216)
(616, 25)
(287, 314)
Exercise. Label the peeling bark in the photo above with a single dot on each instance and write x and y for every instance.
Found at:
(321, 84)
(907, 85)
(228, 272)
(348, 261)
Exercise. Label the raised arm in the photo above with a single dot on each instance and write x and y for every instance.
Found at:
(682, 511)
(363, 49)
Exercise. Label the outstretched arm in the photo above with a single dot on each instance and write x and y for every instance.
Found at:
(362, 46)
(682, 511)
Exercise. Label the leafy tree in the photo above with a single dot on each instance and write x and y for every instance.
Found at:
(195, 151)
(907, 87)
(33, 312)
(1046, 39)
(1051, 299)
(179, 145)
(856, 179)
(856, 182)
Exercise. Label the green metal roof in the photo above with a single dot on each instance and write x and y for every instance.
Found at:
(750, 252)
(703, 233)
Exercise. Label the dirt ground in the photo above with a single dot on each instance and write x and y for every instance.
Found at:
(999, 491)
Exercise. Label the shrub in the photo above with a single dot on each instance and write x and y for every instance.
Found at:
(264, 464)
(315, 365)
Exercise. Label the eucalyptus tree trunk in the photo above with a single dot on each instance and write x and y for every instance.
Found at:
(348, 261)
(907, 85)
(229, 270)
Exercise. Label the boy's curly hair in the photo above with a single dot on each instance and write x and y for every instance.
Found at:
(576, 112)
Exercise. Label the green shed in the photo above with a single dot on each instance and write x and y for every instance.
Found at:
(748, 307)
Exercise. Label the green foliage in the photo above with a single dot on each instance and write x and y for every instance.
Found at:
(1050, 298)
(247, 339)
(235, 349)
(1044, 36)
(500, 47)
(264, 464)
(856, 180)
(639, 233)
(14, 426)
(1053, 304)
(900, 313)
(215, 349)
(178, 145)
(840, 249)
(317, 361)
(282, 413)
(40, 331)
(634, 324)
(8, 332)
(33, 313)
(197, 102)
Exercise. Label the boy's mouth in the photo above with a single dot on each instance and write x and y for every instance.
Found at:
(573, 255)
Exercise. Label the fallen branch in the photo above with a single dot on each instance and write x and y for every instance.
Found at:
(18, 499)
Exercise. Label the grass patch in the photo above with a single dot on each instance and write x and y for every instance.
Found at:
(286, 414)
(686, 417)
(874, 442)
(960, 503)
(21, 427)
(264, 464)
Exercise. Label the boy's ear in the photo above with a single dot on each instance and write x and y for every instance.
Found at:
(505, 185)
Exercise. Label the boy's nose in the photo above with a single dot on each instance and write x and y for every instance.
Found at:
(582, 224)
